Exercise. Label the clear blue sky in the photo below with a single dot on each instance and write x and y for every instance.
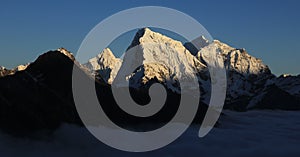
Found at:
(267, 29)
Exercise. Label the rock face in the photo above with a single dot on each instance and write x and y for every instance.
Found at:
(105, 65)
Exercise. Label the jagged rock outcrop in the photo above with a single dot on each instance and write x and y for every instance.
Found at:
(5, 72)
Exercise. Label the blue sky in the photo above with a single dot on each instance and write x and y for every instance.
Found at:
(268, 30)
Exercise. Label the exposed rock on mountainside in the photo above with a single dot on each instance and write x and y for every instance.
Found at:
(4, 71)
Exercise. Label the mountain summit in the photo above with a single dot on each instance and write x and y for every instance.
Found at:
(105, 65)
(153, 56)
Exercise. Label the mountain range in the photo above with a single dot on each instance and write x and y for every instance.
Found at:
(249, 80)
(38, 95)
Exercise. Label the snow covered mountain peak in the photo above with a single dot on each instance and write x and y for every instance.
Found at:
(153, 56)
(237, 60)
(242, 62)
(107, 53)
(154, 47)
(246, 75)
(147, 36)
(224, 48)
(106, 59)
(106, 65)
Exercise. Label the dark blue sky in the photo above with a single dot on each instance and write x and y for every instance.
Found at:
(268, 30)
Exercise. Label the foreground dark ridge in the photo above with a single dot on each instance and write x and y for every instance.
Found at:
(40, 97)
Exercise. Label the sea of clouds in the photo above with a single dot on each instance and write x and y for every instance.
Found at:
(252, 133)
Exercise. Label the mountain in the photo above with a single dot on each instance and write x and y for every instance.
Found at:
(279, 93)
(289, 83)
(246, 75)
(40, 95)
(152, 56)
(105, 65)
